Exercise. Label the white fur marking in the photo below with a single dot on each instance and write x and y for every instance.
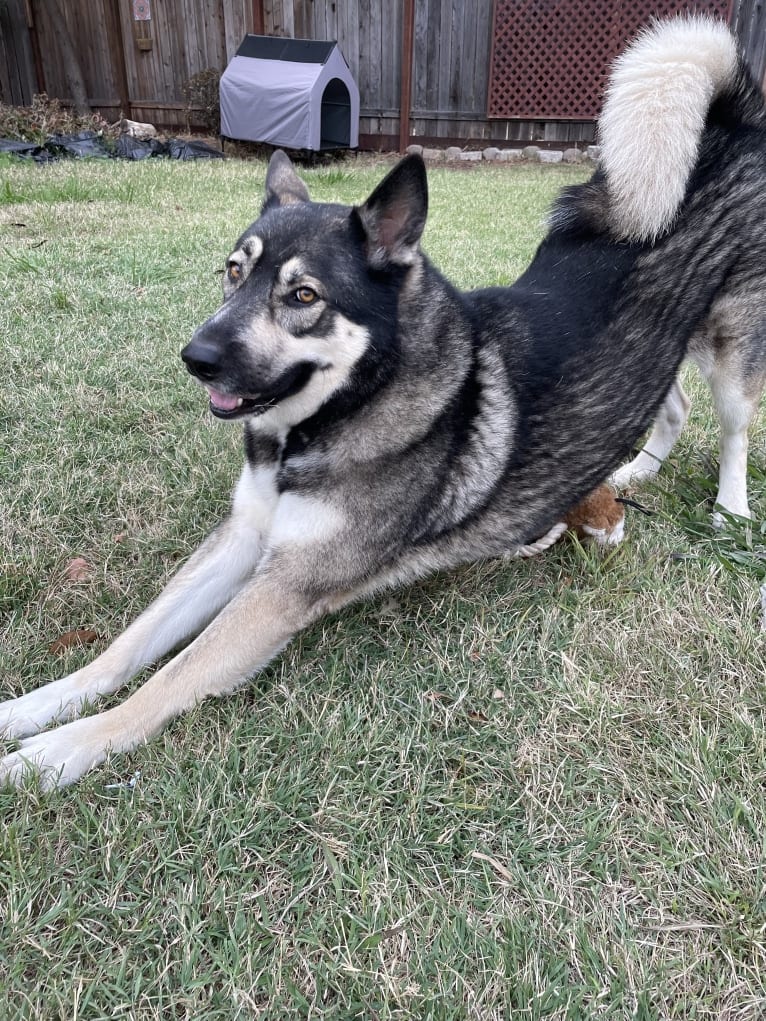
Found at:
(732, 480)
(304, 521)
(255, 499)
(291, 271)
(253, 248)
(339, 352)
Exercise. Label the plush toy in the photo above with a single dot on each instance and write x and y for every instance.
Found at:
(600, 517)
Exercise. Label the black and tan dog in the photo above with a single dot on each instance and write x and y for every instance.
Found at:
(395, 426)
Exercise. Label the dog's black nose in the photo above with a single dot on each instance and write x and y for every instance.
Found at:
(202, 359)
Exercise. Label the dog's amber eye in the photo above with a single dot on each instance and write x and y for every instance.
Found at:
(235, 271)
(305, 295)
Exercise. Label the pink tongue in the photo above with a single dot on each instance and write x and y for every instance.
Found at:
(224, 402)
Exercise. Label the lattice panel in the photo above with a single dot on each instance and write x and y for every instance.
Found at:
(550, 58)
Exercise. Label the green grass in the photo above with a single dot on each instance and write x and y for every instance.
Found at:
(527, 790)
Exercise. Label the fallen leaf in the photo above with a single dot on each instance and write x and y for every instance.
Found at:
(501, 870)
(78, 569)
(80, 636)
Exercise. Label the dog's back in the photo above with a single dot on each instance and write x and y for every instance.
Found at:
(665, 235)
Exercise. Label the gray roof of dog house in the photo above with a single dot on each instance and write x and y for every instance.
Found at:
(297, 93)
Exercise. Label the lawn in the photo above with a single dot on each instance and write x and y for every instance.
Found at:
(524, 790)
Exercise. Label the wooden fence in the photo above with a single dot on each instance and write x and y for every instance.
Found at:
(130, 66)
(139, 67)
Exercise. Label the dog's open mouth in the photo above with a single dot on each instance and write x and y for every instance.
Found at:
(224, 405)
(231, 406)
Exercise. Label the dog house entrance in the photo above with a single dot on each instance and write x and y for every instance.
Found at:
(336, 116)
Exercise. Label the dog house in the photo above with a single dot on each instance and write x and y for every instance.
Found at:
(297, 93)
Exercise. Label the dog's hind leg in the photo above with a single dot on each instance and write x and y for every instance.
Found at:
(736, 402)
(208, 580)
(734, 364)
(667, 427)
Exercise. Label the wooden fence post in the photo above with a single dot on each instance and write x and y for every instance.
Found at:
(259, 26)
(405, 101)
(116, 42)
(36, 51)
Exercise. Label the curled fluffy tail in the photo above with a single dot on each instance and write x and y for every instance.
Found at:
(657, 100)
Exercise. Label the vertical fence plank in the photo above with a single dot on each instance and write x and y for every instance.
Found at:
(18, 78)
(238, 21)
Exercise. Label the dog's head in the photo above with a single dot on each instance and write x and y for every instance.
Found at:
(310, 296)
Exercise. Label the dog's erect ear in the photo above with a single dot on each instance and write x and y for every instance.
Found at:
(283, 186)
(394, 216)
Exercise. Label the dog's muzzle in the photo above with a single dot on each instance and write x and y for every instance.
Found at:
(205, 361)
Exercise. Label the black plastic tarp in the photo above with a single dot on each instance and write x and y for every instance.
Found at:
(90, 144)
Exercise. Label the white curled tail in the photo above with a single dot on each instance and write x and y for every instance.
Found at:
(658, 96)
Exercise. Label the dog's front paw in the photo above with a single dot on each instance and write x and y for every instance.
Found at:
(58, 757)
(642, 468)
(30, 713)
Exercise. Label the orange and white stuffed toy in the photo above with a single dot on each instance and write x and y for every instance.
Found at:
(600, 517)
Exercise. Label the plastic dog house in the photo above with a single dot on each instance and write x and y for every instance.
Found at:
(296, 93)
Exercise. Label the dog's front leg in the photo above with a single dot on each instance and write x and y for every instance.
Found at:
(667, 427)
(205, 583)
(247, 633)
